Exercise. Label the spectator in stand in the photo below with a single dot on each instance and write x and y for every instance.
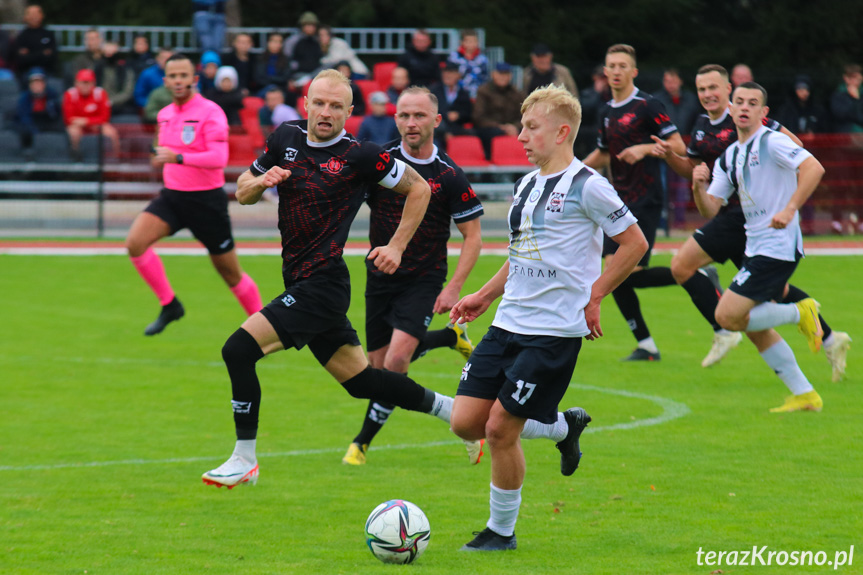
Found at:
(308, 24)
(6, 53)
(306, 51)
(227, 94)
(141, 58)
(210, 62)
(335, 50)
(151, 78)
(543, 72)
(158, 99)
(683, 108)
(35, 46)
(454, 103)
(802, 114)
(497, 110)
(592, 99)
(399, 80)
(422, 64)
(87, 110)
(208, 23)
(274, 68)
(274, 111)
(740, 74)
(471, 62)
(379, 126)
(244, 62)
(359, 101)
(117, 79)
(91, 57)
(846, 109)
(39, 109)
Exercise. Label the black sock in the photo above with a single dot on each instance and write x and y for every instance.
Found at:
(629, 306)
(377, 414)
(390, 387)
(652, 277)
(703, 294)
(795, 294)
(240, 353)
(434, 339)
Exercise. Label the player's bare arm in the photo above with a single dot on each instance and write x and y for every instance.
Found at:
(250, 188)
(388, 258)
(470, 249)
(708, 206)
(474, 305)
(682, 165)
(598, 159)
(809, 175)
(633, 246)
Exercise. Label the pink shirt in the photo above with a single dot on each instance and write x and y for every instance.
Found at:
(199, 131)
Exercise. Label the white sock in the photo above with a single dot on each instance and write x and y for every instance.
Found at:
(442, 407)
(828, 341)
(648, 344)
(768, 314)
(245, 448)
(781, 359)
(504, 504)
(555, 431)
(723, 331)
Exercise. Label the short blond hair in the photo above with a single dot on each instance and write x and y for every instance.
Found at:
(336, 77)
(558, 101)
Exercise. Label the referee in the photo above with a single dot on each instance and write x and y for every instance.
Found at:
(193, 152)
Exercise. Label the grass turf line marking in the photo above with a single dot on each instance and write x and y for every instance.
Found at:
(670, 410)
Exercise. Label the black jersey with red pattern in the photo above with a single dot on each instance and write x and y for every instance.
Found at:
(628, 123)
(320, 199)
(451, 198)
(710, 138)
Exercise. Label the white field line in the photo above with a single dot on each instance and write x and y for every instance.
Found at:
(670, 410)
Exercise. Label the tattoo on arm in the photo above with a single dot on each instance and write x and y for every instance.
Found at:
(408, 178)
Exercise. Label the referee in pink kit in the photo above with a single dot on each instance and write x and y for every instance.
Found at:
(193, 151)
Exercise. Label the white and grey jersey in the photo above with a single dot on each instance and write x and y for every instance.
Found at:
(556, 224)
(763, 173)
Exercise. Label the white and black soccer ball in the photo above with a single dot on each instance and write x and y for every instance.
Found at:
(397, 531)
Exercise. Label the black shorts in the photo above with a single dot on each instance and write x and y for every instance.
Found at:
(529, 374)
(648, 221)
(405, 304)
(204, 213)
(762, 278)
(724, 237)
(313, 312)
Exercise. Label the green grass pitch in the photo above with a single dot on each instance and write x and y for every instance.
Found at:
(104, 435)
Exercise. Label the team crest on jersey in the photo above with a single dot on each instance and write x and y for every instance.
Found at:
(555, 202)
(534, 194)
(333, 165)
(290, 154)
(435, 186)
(725, 135)
(626, 119)
(188, 134)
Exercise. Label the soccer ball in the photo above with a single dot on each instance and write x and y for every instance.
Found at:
(397, 531)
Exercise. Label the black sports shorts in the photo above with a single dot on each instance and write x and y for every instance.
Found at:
(204, 213)
(406, 304)
(724, 237)
(313, 312)
(762, 278)
(648, 221)
(529, 374)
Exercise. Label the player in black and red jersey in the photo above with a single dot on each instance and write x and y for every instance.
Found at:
(399, 307)
(322, 175)
(627, 123)
(724, 237)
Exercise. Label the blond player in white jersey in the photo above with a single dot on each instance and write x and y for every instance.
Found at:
(552, 288)
(773, 177)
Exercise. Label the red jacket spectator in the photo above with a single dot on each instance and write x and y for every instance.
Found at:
(95, 106)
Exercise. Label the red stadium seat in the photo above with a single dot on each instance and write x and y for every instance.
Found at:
(241, 150)
(466, 151)
(352, 125)
(382, 72)
(253, 103)
(508, 151)
(367, 87)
